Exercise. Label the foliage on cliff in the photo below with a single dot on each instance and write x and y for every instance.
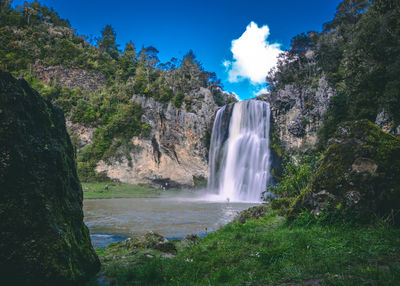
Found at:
(34, 35)
(43, 238)
(34, 39)
(358, 53)
(358, 174)
(356, 178)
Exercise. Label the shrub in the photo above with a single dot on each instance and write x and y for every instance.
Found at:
(296, 176)
(178, 100)
(83, 113)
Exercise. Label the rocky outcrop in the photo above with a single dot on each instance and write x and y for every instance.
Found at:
(385, 122)
(297, 113)
(43, 238)
(176, 151)
(149, 240)
(256, 212)
(359, 172)
(83, 133)
(71, 77)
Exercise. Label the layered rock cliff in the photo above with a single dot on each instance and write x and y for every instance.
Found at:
(43, 238)
(176, 151)
(174, 147)
(71, 77)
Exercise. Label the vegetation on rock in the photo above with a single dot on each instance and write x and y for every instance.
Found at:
(358, 173)
(43, 238)
(41, 47)
(358, 54)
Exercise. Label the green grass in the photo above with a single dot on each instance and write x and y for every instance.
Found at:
(117, 190)
(269, 251)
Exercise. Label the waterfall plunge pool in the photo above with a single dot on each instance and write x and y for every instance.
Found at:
(111, 220)
(239, 166)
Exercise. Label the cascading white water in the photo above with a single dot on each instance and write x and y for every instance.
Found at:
(239, 161)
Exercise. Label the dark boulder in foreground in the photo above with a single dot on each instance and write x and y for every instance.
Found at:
(43, 240)
(359, 172)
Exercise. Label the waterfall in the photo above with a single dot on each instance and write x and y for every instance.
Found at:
(239, 159)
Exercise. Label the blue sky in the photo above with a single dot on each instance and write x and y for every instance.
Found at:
(207, 27)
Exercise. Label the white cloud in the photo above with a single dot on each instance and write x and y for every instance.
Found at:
(260, 91)
(253, 55)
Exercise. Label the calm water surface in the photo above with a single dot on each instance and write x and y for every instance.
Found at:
(114, 219)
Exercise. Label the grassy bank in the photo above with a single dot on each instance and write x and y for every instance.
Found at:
(117, 190)
(267, 251)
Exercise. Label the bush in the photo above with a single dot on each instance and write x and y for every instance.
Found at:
(178, 100)
(296, 176)
(83, 113)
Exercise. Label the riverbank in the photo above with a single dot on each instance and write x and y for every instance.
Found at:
(108, 190)
(269, 250)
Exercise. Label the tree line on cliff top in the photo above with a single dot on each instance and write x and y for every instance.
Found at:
(34, 35)
(358, 52)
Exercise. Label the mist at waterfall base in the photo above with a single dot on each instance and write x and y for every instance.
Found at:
(239, 165)
(239, 160)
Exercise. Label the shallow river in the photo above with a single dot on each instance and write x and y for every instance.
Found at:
(114, 219)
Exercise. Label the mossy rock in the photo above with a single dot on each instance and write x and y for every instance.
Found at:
(251, 213)
(359, 172)
(43, 238)
(150, 240)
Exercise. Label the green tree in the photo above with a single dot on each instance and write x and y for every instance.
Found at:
(148, 56)
(372, 63)
(348, 12)
(128, 61)
(141, 82)
(107, 42)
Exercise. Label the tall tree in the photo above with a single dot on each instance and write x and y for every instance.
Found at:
(128, 61)
(148, 56)
(107, 42)
(372, 62)
(348, 13)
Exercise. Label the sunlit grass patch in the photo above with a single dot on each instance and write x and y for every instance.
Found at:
(273, 251)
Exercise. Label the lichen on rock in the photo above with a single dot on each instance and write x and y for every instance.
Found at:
(43, 238)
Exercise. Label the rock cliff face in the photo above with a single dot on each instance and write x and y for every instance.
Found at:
(43, 238)
(176, 151)
(70, 77)
(385, 122)
(297, 113)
